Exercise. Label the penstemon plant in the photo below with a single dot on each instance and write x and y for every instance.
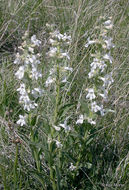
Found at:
(28, 75)
(59, 142)
(57, 79)
(100, 79)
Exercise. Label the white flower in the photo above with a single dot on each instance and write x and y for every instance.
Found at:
(37, 92)
(58, 144)
(98, 64)
(90, 94)
(64, 80)
(20, 73)
(56, 128)
(52, 52)
(49, 81)
(102, 111)
(90, 42)
(105, 94)
(24, 98)
(56, 34)
(72, 167)
(107, 79)
(35, 73)
(21, 121)
(108, 24)
(66, 37)
(91, 121)
(52, 41)
(31, 50)
(91, 73)
(18, 59)
(95, 107)
(108, 57)
(52, 71)
(32, 59)
(68, 69)
(22, 89)
(28, 105)
(109, 43)
(35, 41)
(80, 120)
(65, 54)
(65, 126)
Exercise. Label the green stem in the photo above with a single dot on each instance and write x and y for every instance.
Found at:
(54, 186)
(3, 176)
(15, 168)
(57, 94)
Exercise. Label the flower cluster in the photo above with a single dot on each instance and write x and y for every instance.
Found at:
(101, 61)
(28, 73)
(98, 72)
(59, 54)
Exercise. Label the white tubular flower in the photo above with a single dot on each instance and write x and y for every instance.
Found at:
(56, 128)
(29, 105)
(98, 64)
(65, 54)
(24, 99)
(22, 120)
(108, 80)
(53, 42)
(22, 89)
(58, 144)
(18, 59)
(91, 73)
(65, 126)
(90, 42)
(64, 80)
(104, 95)
(20, 73)
(52, 52)
(102, 110)
(90, 94)
(56, 34)
(37, 92)
(95, 107)
(108, 24)
(32, 59)
(49, 81)
(108, 57)
(109, 43)
(80, 120)
(35, 41)
(68, 69)
(31, 50)
(35, 74)
(91, 121)
(72, 167)
(52, 71)
(66, 37)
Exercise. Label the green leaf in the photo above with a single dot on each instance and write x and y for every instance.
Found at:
(58, 178)
(84, 107)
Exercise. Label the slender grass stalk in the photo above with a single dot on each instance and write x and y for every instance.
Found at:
(4, 177)
(57, 94)
(15, 174)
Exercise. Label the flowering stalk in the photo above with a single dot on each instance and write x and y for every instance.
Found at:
(98, 73)
(28, 74)
(58, 75)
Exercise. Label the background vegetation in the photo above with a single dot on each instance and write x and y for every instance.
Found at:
(104, 154)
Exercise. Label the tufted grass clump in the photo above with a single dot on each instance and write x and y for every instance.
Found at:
(64, 95)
